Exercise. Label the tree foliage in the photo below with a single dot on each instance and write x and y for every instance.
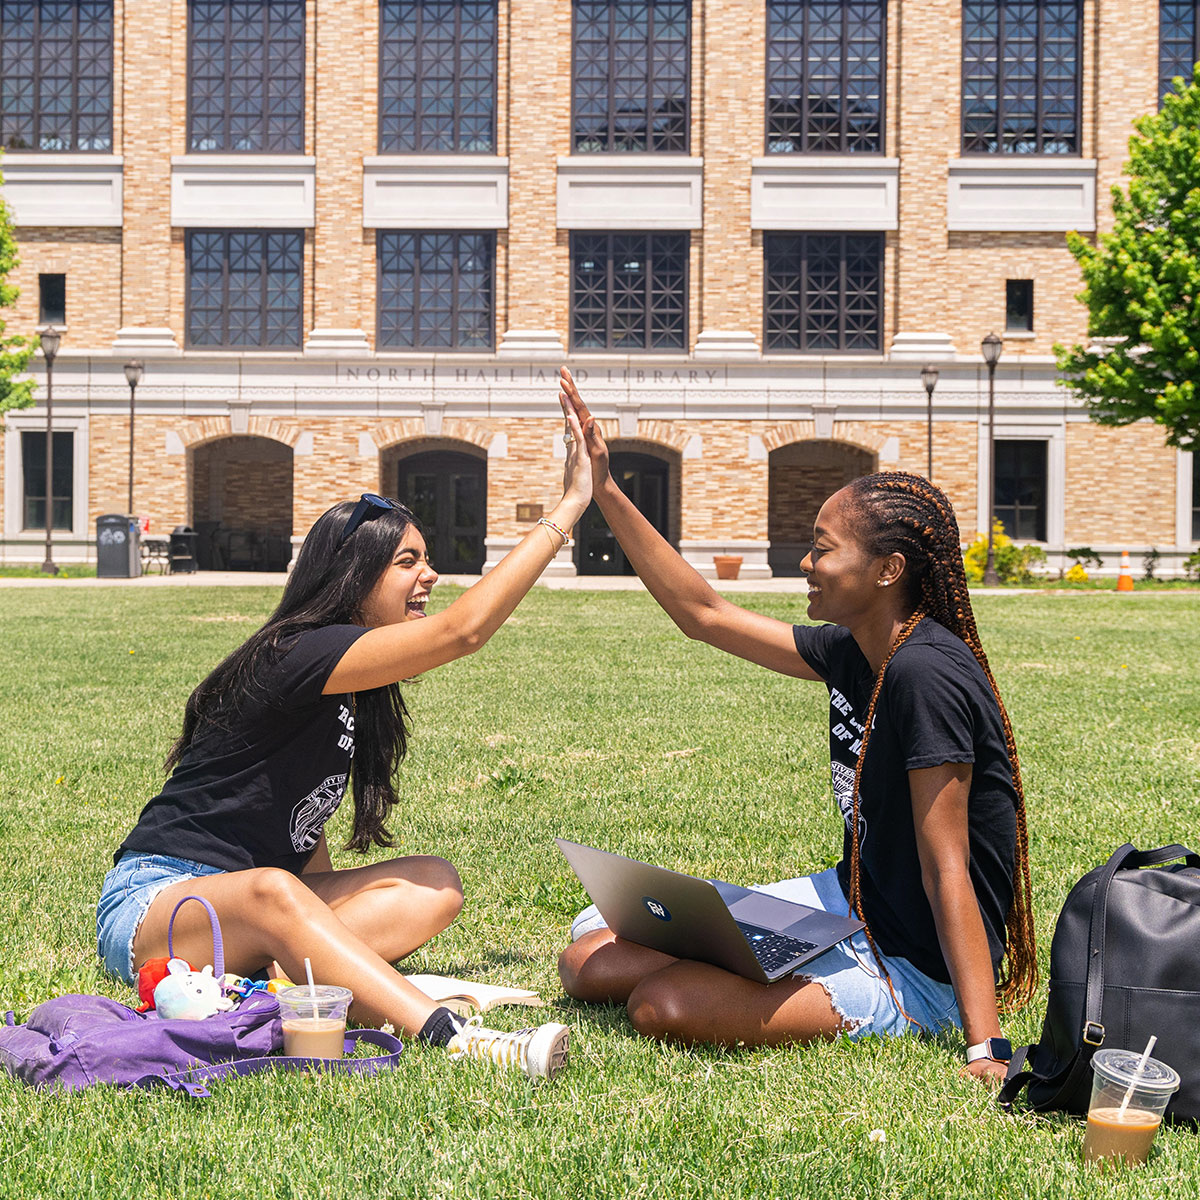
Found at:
(15, 351)
(1142, 283)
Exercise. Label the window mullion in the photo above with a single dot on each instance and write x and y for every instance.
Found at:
(1040, 82)
(609, 298)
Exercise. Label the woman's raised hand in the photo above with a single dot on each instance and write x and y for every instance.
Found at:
(577, 473)
(593, 440)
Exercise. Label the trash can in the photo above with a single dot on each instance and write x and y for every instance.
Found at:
(184, 543)
(118, 547)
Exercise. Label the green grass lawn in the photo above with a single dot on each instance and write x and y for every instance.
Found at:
(588, 715)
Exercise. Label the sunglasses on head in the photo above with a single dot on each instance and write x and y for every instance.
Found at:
(369, 507)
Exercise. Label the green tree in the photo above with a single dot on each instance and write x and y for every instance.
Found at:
(1142, 283)
(15, 351)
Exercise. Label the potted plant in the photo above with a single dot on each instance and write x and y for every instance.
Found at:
(728, 565)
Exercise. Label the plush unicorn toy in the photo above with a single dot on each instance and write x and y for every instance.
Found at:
(189, 995)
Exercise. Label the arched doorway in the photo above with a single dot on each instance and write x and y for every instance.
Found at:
(241, 504)
(447, 490)
(647, 480)
(802, 476)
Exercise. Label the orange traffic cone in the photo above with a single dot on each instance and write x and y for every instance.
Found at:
(1125, 579)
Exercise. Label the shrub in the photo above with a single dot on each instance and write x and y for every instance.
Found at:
(1191, 565)
(1150, 562)
(1085, 556)
(1075, 574)
(1014, 564)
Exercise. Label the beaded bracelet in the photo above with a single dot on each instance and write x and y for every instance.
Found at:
(562, 533)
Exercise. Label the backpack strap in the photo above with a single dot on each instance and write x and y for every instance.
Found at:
(191, 1082)
(218, 946)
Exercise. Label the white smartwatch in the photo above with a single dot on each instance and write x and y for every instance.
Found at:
(997, 1049)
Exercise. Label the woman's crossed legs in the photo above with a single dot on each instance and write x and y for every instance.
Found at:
(352, 924)
(681, 1000)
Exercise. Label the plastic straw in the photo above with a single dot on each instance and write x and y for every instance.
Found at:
(312, 991)
(1137, 1075)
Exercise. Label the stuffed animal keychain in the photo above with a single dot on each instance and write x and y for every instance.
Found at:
(189, 995)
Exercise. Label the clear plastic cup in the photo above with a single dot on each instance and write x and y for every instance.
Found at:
(314, 1020)
(1125, 1131)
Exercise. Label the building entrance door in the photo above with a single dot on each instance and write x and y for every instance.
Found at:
(448, 493)
(644, 479)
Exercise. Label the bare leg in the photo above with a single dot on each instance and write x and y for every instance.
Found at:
(695, 1002)
(268, 914)
(394, 906)
(676, 1000)
(602, 968)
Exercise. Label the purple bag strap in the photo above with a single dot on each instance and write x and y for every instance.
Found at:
(190, 1082)
(218, 947)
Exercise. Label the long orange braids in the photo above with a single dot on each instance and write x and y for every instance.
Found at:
(897, 512)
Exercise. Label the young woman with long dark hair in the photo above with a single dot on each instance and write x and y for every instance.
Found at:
(925, 772)
(269, 741)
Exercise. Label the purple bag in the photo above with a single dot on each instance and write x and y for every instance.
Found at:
(75, 1041)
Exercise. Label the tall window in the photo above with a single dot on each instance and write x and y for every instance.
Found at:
(1021, 76)
(244, 288)
(1195, 497)
(246, 76)
(824, 291)
(1021, 488)
(62, 478)
(435, 290)
(437, 76)
(629, 291)
(1177, 45)
(825, 64)
(56, 70)
(630, 75)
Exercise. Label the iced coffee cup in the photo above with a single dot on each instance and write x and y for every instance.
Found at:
(1120, 1128)
(314, 1020)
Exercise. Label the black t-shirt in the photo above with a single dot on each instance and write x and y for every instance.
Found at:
(935, 707)
(258, 793)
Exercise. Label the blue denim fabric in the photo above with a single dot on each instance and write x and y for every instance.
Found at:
(129, 888)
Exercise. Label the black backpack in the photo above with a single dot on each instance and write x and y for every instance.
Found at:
(1124, 964)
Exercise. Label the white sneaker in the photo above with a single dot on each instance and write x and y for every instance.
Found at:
(541, 1053)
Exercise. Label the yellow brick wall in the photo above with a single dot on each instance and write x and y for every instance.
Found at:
(927, 135)
(153, 102)
(1120, 486)
(538, 124)
(728, 109)
(91, 261)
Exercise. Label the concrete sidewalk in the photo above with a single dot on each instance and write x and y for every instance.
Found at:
(590, 583)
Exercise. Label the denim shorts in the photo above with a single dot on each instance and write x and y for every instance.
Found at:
(128, 891)
(848, 973)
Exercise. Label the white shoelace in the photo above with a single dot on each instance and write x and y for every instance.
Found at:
(476, 1041)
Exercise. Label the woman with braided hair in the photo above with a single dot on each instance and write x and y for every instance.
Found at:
(925, 773)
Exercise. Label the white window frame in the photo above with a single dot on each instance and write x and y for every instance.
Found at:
(1185, 466)
(1055, 437)
(14, 476)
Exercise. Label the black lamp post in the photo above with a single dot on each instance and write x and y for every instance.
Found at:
(49, 339)
(133, 375)
(929, 377)
(991, 347)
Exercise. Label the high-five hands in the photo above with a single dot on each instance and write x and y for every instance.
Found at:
(593, 440)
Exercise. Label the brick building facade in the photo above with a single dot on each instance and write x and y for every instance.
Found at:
(352, 243)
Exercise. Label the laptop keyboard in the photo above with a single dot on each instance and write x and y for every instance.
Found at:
(774, 950)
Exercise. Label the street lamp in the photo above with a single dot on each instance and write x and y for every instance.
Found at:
(50, 338)
(991, 347)
(133, 376)
(929, 377)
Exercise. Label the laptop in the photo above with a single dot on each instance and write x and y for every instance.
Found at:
(752, 934)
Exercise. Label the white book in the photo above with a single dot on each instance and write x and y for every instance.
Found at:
(467, 997)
